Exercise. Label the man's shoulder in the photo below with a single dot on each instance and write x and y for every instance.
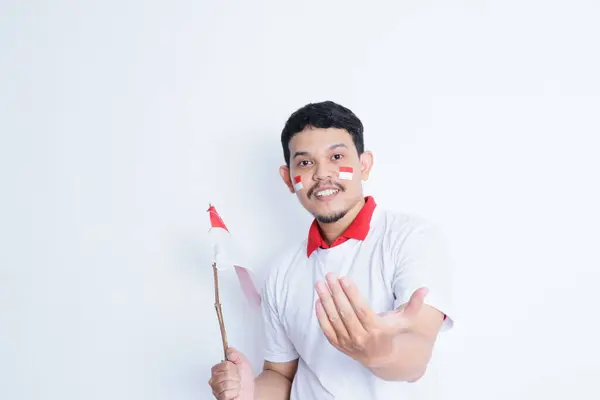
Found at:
(407, 234)
(393, 221)
(400, 231)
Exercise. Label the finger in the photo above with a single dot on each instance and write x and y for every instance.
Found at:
(222, 366)
(227, 388)
(362, 310)
(415, 303)
(344, 307)
(222, 376)
(325, 324)
(229, 394)
(235, 356)
(331, 311)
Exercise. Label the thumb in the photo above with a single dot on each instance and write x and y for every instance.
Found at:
(246, 374)
(415, 303)
(236, 356)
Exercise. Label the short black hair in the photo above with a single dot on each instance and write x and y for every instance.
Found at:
(326, 114)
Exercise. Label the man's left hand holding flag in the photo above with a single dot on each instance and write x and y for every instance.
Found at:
(233, 377)
(227, 256)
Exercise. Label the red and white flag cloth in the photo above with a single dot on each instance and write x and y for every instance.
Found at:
(298, 183)
(227, 256)
(346, 173)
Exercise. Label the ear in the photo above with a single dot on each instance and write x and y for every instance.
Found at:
(284, 171)
(366, 163)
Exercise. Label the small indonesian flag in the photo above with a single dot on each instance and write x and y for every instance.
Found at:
(298, 183)
(346, 173)
(226, 255)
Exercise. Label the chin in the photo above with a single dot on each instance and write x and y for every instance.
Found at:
(328, 209)
(330, 216)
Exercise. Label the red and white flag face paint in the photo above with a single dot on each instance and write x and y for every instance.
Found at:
(346, 173)
(298, 183)
(227, 256)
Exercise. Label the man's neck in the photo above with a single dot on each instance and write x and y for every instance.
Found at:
(333, 230)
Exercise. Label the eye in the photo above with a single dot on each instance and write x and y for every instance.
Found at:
(338, 156)
(303, 163)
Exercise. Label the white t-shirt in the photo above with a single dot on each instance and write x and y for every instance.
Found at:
(400, 254)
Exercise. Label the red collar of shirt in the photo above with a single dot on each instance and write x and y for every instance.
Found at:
(358, 229)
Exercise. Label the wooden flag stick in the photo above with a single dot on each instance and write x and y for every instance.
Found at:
(220, 311)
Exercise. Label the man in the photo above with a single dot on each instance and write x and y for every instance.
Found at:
(352, 312)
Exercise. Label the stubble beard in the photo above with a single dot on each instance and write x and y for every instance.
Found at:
(331, 218)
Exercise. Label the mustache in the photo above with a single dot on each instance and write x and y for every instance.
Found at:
(317, 187)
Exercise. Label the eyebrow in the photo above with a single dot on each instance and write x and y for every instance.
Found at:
(332, 147)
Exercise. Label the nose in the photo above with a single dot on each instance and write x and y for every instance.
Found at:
(323, 172)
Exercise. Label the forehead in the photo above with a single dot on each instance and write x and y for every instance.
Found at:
(319, 139)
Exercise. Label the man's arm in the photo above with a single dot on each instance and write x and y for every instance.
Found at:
(411, 351)
(275, 382)
(395, 345)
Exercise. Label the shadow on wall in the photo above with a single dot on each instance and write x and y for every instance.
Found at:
(280, 218)
(272, 219)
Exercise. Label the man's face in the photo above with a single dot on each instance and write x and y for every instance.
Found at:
(316, 156)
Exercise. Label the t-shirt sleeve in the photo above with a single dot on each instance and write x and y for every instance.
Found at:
(421, 261)
(277, 345)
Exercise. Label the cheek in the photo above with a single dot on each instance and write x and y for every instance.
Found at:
(302, 182)
(346, 173)
(298, 182)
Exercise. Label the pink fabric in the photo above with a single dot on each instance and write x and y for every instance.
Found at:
(247, 286)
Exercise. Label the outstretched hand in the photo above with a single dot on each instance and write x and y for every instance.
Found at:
(351, 325)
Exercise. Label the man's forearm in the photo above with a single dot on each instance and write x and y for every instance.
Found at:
(408, 362)
(270, 385)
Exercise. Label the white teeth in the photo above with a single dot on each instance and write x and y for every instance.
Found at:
(326, 192)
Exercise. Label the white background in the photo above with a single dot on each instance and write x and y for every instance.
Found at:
(121, 120)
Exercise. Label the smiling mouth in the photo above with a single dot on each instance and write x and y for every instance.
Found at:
(326, 192)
